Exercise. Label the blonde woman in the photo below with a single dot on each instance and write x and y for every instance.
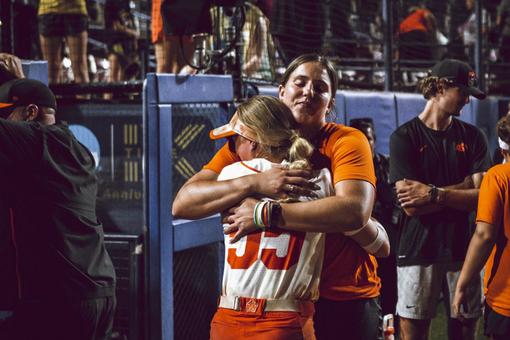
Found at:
(272, 276)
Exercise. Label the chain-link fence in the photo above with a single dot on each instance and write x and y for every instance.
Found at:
(388, 44)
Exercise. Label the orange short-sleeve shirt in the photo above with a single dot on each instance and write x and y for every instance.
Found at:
(494, 208)
(348, 272)
(221, 159)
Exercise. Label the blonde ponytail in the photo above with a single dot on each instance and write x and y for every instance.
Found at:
(299, 153)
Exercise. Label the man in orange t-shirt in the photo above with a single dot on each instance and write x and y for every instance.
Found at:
(490, 243)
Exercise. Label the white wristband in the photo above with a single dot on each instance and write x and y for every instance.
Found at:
(382, 236)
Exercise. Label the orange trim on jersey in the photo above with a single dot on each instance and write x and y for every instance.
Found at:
(249, 167)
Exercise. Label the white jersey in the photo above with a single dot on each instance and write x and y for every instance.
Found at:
(275, 264)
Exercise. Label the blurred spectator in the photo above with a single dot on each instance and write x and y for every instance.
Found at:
(25, 37)
(258, 47)
(10, 68)
(503, 23)
(58, 20)
(297, 27)
(386, 212)
(123, 47)
(343, 41)
(258, 50)
(173, 24)
(467, 30)
(170, 55)
(417, 34)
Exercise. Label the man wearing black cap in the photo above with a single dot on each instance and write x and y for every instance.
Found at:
(66, 279)
(437, 163)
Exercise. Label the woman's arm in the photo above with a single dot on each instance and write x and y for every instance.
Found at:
(348, 210)
(202, 195)
(478, 252)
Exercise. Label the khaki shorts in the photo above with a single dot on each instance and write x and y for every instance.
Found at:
(419, 289)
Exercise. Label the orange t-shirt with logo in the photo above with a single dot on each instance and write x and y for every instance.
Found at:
(348, 272)
(494, 208)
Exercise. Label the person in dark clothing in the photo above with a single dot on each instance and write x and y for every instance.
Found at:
(10, 68)
(437, 163)
(66, 279)
(386, 212)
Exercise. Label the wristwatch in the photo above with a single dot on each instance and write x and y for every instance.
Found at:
(276, 213)
(433, 192)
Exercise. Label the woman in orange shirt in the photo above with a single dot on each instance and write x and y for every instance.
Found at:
(490, 244)
(348, 307)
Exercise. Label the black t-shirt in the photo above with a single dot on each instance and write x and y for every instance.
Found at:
(441, 158)
(52, 192)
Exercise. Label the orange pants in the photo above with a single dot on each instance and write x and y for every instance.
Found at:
(228, 324)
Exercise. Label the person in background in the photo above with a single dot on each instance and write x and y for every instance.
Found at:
(64, 20)
(123, 51)
(65, 277)
(171, 56)
(386, 212)
(489, 245)
(437, 163)
(10, 68)
(417, 34)
(503, 23)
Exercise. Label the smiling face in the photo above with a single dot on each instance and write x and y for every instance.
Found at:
(308, 94)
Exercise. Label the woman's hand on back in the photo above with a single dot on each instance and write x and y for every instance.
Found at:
(240, 220)
(283, 183)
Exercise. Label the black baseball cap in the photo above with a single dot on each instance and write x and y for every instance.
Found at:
(460, 73)
(22, 92)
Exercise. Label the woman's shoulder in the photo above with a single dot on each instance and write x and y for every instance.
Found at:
(244, 168)
(335, 131)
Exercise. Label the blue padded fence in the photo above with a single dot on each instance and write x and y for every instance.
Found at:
(162, 95)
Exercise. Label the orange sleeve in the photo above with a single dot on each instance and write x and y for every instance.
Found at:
(221, 159)
(351, 157)
(491, 198)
